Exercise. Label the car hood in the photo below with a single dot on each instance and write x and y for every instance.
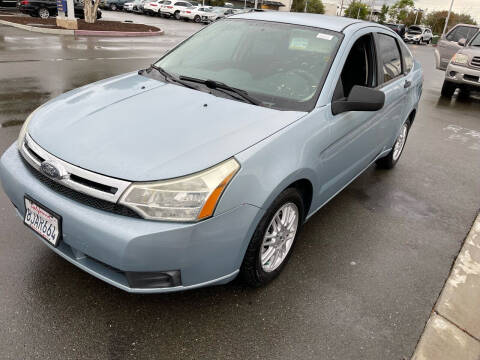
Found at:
(471, 51)
(140, 129)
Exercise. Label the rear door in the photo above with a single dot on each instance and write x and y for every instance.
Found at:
(394, 83)
(448, 46)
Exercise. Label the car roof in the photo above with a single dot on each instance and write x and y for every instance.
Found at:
(335, 23)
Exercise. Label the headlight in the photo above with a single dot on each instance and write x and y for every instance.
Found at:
(460, 59)
(23, 130)
(189, 198)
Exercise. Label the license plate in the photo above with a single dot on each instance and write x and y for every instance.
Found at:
(43, 221)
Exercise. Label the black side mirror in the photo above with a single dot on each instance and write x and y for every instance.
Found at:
(361, 98)
(462, 42)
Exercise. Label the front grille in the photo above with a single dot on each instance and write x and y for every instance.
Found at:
(471, 77)
(82, 198)
(476, 61)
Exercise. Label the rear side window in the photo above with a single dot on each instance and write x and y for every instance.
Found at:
(390, 57)
(461, 32)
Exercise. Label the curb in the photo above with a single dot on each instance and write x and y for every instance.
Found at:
(81, 32)
(453, 329)
(38, 29)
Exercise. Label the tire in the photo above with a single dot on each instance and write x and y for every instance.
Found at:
(448, 89)
(113, 7)
(389, 161)
(176, 14)
(197, 19)
(43, 13)
(254, 271)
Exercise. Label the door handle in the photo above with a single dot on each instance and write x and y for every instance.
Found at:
(407, 84)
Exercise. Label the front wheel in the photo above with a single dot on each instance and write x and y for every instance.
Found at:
(113, 7)
(389, 161)
(448, 89)
(177, 15)
(273, 239)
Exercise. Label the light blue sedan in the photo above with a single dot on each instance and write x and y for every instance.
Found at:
(206, 165)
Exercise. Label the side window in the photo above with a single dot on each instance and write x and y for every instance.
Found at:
(407, 58)
(461, 32)
(360, 68)
(390, 57)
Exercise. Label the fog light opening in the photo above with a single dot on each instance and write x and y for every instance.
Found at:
(154, 280)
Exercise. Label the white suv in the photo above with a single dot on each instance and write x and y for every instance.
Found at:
(152, 7)
(173, 8)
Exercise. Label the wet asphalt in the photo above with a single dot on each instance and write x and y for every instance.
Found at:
(362, 280)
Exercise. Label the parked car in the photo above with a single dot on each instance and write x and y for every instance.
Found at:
(463, 71)
(173, 8)
(152, 7)
(128, 7)
(400, 29)
(418, 34)
(8, 3)
(112, 4)
(48, 8)
(448, 45)
(265, 117)
(222, 12)
(198, 14)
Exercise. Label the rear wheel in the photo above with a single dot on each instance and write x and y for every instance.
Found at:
(448, 89)
(271, 244)
(177, 15)
(43, 13)
(389, 161)
(113, 7)
(197, 18)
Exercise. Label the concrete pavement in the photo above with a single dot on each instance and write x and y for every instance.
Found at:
(361, 283)
(453, 330)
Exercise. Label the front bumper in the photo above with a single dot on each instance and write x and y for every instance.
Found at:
(107, 245)
(463, 76)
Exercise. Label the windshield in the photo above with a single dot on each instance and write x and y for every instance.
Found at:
(414, 30)
(476, 40)
(281, 65)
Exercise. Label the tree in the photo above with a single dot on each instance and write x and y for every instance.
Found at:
(399, 11)
(382, 17)
(436, 20)
(313, 6)
(411, 16)
(357, 9)
(90, 10)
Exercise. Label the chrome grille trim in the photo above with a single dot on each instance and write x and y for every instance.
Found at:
(33, 154)
(475, 61)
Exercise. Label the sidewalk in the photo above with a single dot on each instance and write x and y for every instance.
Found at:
(453, 330)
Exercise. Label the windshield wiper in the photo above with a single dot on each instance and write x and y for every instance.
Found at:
(212, 84)
(170, 76)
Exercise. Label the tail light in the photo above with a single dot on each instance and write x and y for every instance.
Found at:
(153, 4)
(170, 7)
(188, 12)
(24, 2)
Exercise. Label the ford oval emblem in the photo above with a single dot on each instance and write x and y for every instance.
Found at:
(52, 170)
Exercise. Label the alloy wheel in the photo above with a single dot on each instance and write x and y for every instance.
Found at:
(400, 143)
(43, 13)
(279, 237)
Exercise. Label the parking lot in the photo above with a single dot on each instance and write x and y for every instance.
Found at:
(361, 282)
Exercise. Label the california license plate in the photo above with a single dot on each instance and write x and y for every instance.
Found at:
(43, 221)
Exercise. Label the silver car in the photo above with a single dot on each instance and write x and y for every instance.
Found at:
(449, 44)
(463, 71)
